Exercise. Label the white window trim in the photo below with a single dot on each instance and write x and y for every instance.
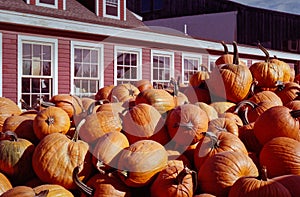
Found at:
(160, 52)
(211, 57)
(189, 55)
(110, 16)
(128, 49)
(54, 66)
(47, 5)
(1, 87)
(124, 10)
(101, 61)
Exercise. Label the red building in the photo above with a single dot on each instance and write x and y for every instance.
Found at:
(49, 47)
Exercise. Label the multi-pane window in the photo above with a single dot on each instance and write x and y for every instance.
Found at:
(112, 8)
(191, 65)
(86, 73)
(162, 69)
(127, 66)
(37, 72)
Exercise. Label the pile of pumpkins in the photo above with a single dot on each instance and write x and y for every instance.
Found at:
(232, 132)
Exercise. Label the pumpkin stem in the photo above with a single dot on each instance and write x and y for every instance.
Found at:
(189, 125)
(295, 113)
(43, 193)
(77, 129)
(243, 114)
(99, 166)
(265, 52)
(183, 173)
(280, 85)
(252, 88)
(175, 85)
(50, 120)
(213, 138)
(83, 187)
(8, 135)
(225, 47)
(264, 175)
(235, 54)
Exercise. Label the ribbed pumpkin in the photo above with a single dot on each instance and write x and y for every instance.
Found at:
(107, 150)
(266, 95)
(158, 98)
(198, 78)
(140, 162)
(103, 93)
(219, 172)
(123, 92)
(281, 156)
(223, 124)
(51, 120)
(5, 184)
(102, 185)
(174, 180)
(7, 109)
(210, 110)
(232, 81)
(70, 103)
(246, 134)
(186, 123)
(214, 143)
(143, 84)
(24, 191)
(54, 190)
(15, 158)
(288, 91)
(142, 122)
(56, 156)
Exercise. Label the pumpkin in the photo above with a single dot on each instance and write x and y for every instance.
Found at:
(232, 81)
(174, 180)
(246, 135)
(213, 143)
(176, 155)
(287, 71)
(186, 123)
(22, 125)
(143, 121)
(70, 103)
(198, 78)
(281, 156)
(210, 110)
(291, 182)
(24, 191)
(123, 92)
(226, 58)
(254, 187)
(5, 183)
(267, 72)
(158, 98)
(140, 162)
(56, 156)
(15, 157)
(277, 121)
(143, 84)
(51, 120)
(7, 109)
(265, 96)
(54, 190)
(107, 149)
(104, 92)
(223, 124)
(288, 91)
(219, 172)
(112, 107)
(102, 185)
(222, 106)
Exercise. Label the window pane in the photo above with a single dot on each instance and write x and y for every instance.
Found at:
(94, 70)
(51, 2)
(134, 59)
(26, 67)
(37, 51)
(133, 73)
(94, 56)
(46, 68)
(86, 55)
(26, 85)
(155, 74)
(86, 70)
(78, 55)
(112, 7)
(46, 53)
(127, 58)
(27, 51)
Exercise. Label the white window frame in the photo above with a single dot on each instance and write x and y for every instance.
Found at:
(111, 16)
(192, 56)
(132, 50)
(33, 39)
(97, 46)
(1, 87)
(38, 3)
(211, 58)
(164, 53)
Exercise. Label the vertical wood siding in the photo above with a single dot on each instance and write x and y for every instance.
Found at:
(9, 64)
(64, 66)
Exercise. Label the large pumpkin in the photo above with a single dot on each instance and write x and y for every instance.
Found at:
(123, 92)
(51, 120)
(231, 81)
(288, 91)
(174, 180)
(7, 109)
(56, 156)
(24, 191)
(54, 190)
(143, 121)
(140, 162)
(15, 157)
(219, 172)
(186, 123)
(5, 184)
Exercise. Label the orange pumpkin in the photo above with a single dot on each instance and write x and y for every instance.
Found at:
(5, 184)
(7, 109)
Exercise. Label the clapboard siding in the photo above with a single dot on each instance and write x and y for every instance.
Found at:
(146, 63)
(64, 63)
(108, 64)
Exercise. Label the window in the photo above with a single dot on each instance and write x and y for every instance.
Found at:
(37, 63)
(127, 65)
(86, 68)
(112, 8)
(191, 64)
(162, 68)
(47, 3)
